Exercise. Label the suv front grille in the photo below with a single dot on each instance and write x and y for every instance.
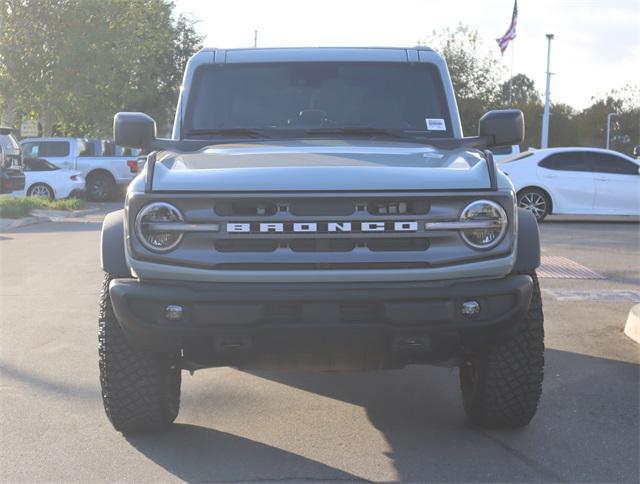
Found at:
(321, 231)
(322, 245)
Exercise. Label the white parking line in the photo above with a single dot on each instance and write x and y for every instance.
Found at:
(594, 295)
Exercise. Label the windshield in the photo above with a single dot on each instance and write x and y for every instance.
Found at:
(8, 143)
(336, 95)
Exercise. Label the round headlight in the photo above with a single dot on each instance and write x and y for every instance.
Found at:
(153, 227)
(491, 224)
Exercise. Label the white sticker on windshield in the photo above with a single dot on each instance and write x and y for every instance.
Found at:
(436, 124)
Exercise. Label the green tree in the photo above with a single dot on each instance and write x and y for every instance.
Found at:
(475, 73)
(625, 126)
(523, 91)
(74, 63)
(563, 127)
(525, 97)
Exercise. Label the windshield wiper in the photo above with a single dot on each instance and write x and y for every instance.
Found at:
(241, 132)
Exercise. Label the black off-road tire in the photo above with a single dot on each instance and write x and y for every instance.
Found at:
(100, 186)
(502, 384)
(140, 390)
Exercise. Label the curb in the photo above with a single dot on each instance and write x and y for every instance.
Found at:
(7, 224)
(82, 213)
(54, 215)
(632, 328)
(42, 216)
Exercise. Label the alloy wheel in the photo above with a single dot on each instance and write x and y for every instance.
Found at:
(535, 203)
(41, 191)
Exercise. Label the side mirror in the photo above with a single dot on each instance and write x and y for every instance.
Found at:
(134, 130)
(505, 126)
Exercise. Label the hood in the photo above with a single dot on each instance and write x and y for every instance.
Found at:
(320, 165)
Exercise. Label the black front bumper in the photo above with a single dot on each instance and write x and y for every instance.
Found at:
(232, 322)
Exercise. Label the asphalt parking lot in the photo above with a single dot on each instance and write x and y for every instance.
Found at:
(382, 426)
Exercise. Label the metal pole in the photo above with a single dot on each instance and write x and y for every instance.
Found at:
(255, 38)
(544, 141)
(513, 46)
(609, 116)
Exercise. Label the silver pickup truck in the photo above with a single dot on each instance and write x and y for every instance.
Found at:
(319, 209)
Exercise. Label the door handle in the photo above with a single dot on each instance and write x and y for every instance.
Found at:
(549, 176)
(602, 178)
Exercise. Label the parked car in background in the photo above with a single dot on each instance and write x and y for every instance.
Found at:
(105, 172)
(576, 181)
(11, 174)
(502, 152)
(44, 179)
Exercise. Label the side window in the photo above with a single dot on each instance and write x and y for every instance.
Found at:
(54, 149)
(40, 165)
(86, 148)
(31, 149)
(605, 163)
(107, 149)
(567, 161)
(8, 143)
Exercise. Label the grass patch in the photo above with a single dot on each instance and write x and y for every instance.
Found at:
(18, 207)
(66, 204)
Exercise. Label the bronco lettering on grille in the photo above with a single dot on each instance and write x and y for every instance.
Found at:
(320, 227)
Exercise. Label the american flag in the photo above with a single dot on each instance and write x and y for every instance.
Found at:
(503, 42)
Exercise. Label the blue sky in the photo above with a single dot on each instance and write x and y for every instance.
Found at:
(596, 46)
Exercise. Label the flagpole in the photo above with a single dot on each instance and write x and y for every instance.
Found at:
(505, 40)
(544, 137)
(513, 48)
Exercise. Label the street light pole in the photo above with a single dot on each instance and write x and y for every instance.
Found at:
(609, 116)
(544, 138)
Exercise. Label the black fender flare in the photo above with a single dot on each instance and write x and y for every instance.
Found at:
(112, 258)
(528, 249)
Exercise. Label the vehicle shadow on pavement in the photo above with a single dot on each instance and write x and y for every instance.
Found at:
(47, 385)
(586, 428)
(48, 227)
(200, 454)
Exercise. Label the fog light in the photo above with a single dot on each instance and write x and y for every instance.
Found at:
(470, 308)
(173, 312)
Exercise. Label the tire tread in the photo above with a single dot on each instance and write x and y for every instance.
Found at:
(509, 378)
(140, 390)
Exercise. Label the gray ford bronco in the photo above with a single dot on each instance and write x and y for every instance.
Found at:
(319, 209)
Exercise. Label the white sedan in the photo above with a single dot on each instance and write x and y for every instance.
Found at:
(576, 181)
(44, 179)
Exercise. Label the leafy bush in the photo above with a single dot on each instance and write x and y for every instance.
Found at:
(66, 204)
(18, 207)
